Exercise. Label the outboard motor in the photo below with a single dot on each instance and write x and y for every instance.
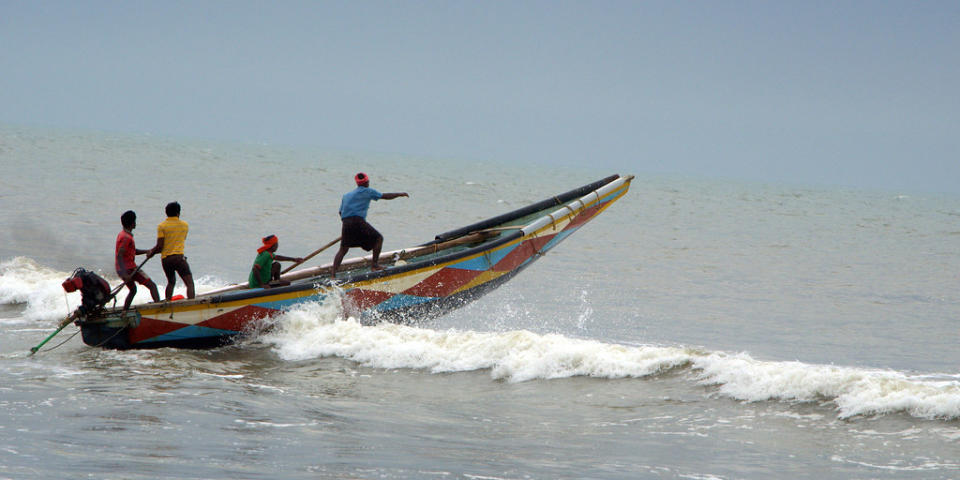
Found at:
(94, 290)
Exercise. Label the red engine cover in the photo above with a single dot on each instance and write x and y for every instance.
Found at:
(72, 284)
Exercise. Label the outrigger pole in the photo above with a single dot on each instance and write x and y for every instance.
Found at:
(66, 321)
(308, 257)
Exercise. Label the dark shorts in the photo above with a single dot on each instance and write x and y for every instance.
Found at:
(357, 232)
(175, 264)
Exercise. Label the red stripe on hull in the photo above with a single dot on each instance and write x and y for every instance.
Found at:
(539, 242)
(584, 216)
(359, 300)
(152, 327)
(234, 321)
(238, 319)
(442, 283)
(522, 253)
(513, 259)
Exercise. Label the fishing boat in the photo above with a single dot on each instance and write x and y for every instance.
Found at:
(416, 283)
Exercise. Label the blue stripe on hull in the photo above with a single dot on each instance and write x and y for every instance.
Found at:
(401, 301)
(558, 238)
(484, 262)
(497, 255)
(191, 332)
(479, 264)
(286, 304)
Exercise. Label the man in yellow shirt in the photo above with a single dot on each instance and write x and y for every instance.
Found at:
(171, 234)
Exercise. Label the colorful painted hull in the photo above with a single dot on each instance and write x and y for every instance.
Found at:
(428, 280)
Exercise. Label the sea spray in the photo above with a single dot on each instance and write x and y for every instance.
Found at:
(316, 330)
(854, 391)
(39, 289)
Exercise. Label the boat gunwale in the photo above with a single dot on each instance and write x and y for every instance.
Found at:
(524, 211)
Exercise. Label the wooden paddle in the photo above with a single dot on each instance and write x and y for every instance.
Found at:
(308, 257)
(352, 263)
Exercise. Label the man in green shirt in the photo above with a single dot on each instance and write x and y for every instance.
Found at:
(266, 267)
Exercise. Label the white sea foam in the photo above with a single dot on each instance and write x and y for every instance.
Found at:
(854, 391)
(23, 281)
(314, 331)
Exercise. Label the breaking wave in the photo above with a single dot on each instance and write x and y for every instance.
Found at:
(25, 282)
(315, 331)
(38, 289)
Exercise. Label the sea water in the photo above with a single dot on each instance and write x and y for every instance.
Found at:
(697, 329)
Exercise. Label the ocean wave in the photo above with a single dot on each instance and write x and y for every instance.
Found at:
(854, 391)
(315, 331)
(25, 282)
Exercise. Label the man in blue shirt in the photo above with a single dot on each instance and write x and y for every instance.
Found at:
(356, 232)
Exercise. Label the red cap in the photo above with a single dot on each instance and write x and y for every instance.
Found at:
(362, 179)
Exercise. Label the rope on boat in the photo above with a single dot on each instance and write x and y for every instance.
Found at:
(121, 329)
(62, 343)
(573, 213)
(92, 346)
(66, 302)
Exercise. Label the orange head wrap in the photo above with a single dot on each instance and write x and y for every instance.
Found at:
(268, 241)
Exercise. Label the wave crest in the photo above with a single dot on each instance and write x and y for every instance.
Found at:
(316, 331)
(854, 391)
(24, 281)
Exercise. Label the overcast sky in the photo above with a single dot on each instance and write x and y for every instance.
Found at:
(862, 94)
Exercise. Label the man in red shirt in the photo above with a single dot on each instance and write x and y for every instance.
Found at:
(124, 260)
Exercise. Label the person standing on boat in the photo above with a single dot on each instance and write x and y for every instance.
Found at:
(124, 253)
(171, 234)
(266, 267)
(356, 232)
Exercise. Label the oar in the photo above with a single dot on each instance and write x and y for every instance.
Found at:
(308, 257)
(63, 324)
(66, 321)
(118, 287)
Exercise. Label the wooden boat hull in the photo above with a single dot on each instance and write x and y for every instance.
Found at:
(431, 284)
